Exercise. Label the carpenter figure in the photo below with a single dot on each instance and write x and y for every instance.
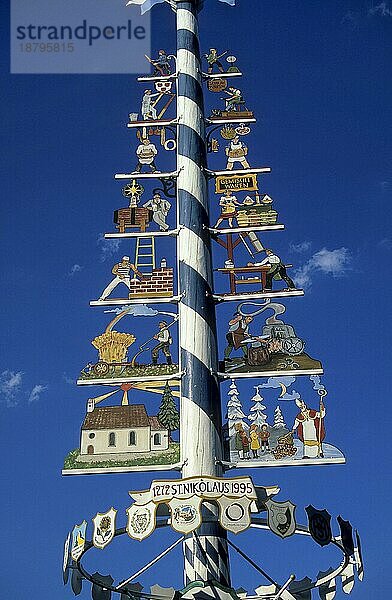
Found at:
(277, 270)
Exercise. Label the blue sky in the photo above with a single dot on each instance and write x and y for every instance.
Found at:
(317, 75)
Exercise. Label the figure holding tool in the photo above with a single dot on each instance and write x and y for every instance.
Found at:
(161, 64)
(213, 59)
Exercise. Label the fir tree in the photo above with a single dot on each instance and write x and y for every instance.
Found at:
(168, 414)
(257, 415)
(278, 419)
(234, 410)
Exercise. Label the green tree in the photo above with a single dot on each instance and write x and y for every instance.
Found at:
(168, 414)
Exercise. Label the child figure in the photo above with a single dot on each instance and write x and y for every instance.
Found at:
(264, 438)
(245, 444)
(254, 440)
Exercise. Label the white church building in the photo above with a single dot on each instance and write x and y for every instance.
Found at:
(117, 432)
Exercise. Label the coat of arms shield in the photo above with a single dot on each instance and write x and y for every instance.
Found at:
(346, 533)
(100, 587)
(348, 579)
(358, 557)
(104, 528)
(66, 558)
(319, 525)
(141, 520)
(281, 517)
(234, 513)
(78, 540)
(185, 514)
(326, 584)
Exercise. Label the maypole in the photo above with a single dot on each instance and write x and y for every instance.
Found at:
(202, 504)
(206, 557)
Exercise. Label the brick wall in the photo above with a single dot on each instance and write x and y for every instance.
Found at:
(160, 283)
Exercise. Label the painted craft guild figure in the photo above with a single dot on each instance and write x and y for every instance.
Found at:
(238, 337)
(276, 271)
(236, 151)
(235, 100)
(213, 60)
(164, 338)
(146, 153)
(160, 208)
(122, 274)
(254, 440)
(228, 202)
(147, 108)
(309, 425)
(161, 64)
(237, 334)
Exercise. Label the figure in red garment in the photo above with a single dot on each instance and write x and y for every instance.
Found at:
(309, 425)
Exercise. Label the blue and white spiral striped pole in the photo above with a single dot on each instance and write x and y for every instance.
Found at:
(205, 556)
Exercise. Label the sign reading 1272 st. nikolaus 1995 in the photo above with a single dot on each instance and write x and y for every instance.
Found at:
(184, 498)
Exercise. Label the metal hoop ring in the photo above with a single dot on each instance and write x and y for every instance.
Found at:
(170, 144)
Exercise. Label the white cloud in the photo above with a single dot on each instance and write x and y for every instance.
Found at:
(290, 396)
(381, 10)
(301, 247)
(75, 269)
(108, 247)
(139, 310)
(10, 384)
(275, 382)
(283, 383)
(329, 262)
(36, 392)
